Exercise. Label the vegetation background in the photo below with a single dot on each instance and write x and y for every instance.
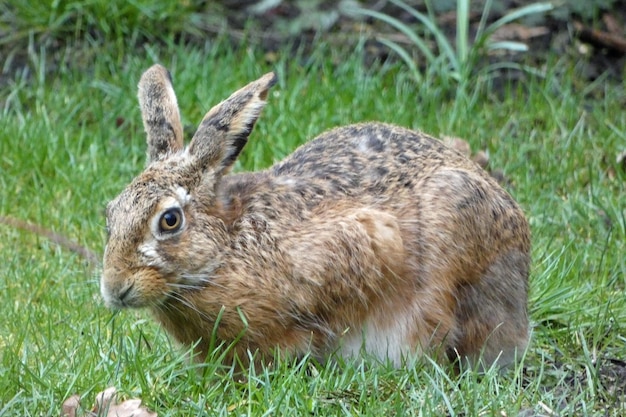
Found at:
(539, 94)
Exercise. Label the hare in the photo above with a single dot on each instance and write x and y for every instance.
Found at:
(370, 239)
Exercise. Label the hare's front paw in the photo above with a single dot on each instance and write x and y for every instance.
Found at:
(384, 232)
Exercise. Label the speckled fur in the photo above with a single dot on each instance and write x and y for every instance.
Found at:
(369, 237)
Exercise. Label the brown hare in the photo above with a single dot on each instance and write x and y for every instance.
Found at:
(370, 238)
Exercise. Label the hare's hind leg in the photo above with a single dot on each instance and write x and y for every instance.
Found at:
(477, 242)
(491, 316)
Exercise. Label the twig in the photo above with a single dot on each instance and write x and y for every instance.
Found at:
(90, 256)
(600, 38)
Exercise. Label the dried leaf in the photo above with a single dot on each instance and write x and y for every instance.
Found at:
(518, 32)
(106, 405)
(105, 399)
(70, 406)
(130, 408)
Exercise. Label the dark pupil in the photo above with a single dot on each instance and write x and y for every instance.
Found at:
(171, 219)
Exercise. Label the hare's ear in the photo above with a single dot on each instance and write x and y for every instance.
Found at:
(159, 111)
(224, 130)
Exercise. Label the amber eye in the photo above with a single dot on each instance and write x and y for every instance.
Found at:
(171, 220)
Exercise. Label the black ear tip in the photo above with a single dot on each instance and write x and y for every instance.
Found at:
(267, 81)
(164, 70)
(272, 82)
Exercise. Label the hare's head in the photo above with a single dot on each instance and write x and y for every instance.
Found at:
(159, 236)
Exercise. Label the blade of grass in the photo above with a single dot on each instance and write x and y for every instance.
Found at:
(442, 41)
(508, 45)
(404, 29)
(404, 55)
(462, 31)
(517, 14)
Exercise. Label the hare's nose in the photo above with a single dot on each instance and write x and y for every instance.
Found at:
(124, 294)
(116, 292)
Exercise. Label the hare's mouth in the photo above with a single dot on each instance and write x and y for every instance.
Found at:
(141, 289)
(118, 297)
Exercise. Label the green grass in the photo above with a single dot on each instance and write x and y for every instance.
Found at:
(70, 139)
(460, 63)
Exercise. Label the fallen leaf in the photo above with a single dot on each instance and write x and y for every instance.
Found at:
(106, 406)
(69, 407)
(105, 398)
(518, 32)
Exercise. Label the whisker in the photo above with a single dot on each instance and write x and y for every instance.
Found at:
(185, 303)
(201, 279)
(184, 286)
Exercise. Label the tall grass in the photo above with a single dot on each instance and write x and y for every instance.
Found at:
(462, 60)
(99, 21)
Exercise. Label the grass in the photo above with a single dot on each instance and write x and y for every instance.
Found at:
(462, 65)
(79, 19)
(70, 139)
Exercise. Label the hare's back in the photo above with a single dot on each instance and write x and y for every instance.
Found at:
(373, 158)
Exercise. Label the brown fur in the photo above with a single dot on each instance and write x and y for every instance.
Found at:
(370, 236)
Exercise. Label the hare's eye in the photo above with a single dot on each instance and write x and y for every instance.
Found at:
(171, 220)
